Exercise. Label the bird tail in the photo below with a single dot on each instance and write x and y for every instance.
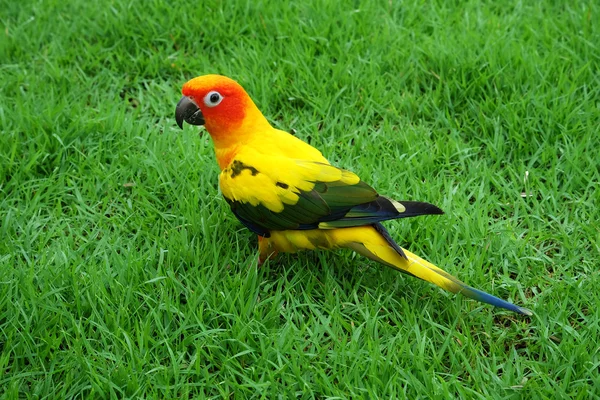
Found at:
(381, 248)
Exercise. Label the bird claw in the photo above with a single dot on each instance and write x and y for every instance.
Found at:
(262, 257)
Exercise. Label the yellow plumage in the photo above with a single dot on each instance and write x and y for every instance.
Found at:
(364, 240)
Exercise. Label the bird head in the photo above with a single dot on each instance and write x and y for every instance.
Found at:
(220, 104)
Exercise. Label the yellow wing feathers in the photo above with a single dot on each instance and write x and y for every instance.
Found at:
(276, 181)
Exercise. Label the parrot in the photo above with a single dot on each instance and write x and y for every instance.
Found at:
(285, 191)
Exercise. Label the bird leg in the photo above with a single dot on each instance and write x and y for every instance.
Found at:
(265, 251)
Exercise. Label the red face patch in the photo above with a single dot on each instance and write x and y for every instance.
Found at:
(229, 113)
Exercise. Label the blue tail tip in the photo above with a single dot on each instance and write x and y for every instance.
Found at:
(495, 301)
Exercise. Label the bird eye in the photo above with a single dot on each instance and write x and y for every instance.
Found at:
(212, 99)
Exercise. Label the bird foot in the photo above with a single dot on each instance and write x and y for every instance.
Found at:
(262, 258)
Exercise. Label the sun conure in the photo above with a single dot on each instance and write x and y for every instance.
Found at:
(286, 192)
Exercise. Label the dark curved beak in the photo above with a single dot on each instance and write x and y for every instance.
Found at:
(187, 110)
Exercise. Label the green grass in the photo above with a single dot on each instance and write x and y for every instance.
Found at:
(124, 275)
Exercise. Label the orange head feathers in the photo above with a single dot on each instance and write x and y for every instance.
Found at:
(220, 104)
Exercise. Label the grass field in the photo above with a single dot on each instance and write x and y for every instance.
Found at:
(123, 273)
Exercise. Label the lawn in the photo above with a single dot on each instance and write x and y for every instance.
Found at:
(123, 273)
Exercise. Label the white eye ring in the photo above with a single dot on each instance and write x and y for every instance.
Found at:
(213, 98)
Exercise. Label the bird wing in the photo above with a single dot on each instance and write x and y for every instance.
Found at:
(279, 193)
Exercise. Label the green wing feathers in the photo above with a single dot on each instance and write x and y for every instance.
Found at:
(380, 209)
(312, 196)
